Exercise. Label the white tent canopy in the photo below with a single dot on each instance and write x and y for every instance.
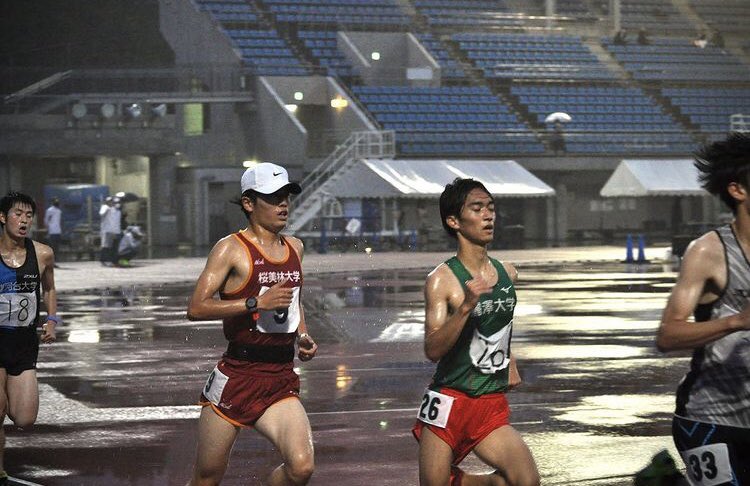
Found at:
(643, 177)
(388, 178)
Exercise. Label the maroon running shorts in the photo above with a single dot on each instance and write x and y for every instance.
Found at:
(240, 394)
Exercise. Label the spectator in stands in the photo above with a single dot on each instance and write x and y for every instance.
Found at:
(643, 37)
(701, 41)
(129, 245)
(53, 222)
(620, 38)
(558, 138)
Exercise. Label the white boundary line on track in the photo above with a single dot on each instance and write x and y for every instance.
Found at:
(398, 410)
(13, 481)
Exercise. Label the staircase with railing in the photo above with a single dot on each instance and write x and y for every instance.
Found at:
(373, 144)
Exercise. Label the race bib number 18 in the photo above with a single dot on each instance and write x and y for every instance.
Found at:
(435, 408)
(17, 310)
(708, 465)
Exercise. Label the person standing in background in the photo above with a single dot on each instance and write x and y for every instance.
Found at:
(110, 217)
(53, 222)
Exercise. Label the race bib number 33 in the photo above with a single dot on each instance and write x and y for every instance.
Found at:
(435, 408)
(708, 465)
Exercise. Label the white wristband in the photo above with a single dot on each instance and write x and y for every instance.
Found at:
(304, 334)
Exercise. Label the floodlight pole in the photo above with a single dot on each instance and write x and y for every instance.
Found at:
(550, 13)
(615, 13)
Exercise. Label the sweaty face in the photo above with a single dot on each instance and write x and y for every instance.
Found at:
(18, 220)
(477, 220)
(272, 209)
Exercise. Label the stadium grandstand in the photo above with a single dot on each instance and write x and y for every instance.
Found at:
(370, 103)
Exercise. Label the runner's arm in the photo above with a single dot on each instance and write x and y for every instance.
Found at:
(676, 331)
(203, 305)
(514, 377)
(49, 293)
(307, 346)
(443, 328)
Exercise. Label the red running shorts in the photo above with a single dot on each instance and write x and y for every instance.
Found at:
(471, 419)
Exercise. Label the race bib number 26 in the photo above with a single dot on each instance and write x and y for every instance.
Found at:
(435, 408)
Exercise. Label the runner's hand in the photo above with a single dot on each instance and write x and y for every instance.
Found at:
(48, 332)
(514, 377)
(474, 289)
(276, 297)
(307, 347)
(743, 319)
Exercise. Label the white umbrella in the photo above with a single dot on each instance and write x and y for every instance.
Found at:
(558, 116)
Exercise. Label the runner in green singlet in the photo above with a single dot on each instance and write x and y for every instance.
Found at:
(469, 302)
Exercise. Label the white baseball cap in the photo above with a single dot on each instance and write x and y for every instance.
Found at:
(267, 178)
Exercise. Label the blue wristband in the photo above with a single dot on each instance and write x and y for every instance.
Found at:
(54, 318)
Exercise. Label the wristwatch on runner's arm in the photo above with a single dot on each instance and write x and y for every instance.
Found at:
(252, 304)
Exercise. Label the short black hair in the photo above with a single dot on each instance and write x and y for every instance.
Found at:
(14, 197)
(722, 163)
(453, 198)
(250, 194)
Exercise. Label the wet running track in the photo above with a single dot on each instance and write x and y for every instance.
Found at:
(119, 387)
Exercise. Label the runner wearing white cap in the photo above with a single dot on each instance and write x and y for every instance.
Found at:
(257, 273)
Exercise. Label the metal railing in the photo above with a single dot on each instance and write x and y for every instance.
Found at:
(25, 89)
(359, 145)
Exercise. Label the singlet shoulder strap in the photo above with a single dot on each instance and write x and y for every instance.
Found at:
(255, 249)
(463, 275)
(291, 249)
(459, 270)
(502, 273)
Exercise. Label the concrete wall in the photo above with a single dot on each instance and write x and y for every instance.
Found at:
(347, 119)
(195, 37)
(163, 201)
(51, 135)
(205, 194)
(393, 67)
(204, 51)
(298, 140)
(281, 138)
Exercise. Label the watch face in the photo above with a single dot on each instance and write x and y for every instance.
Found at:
(251, 303)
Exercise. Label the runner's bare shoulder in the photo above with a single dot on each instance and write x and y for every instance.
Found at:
(707, 249)
(442, 281)
(228, 249)
(43, 252)
(297, 244)
(511, 270)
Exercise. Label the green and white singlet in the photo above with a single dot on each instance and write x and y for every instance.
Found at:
(479, 361)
